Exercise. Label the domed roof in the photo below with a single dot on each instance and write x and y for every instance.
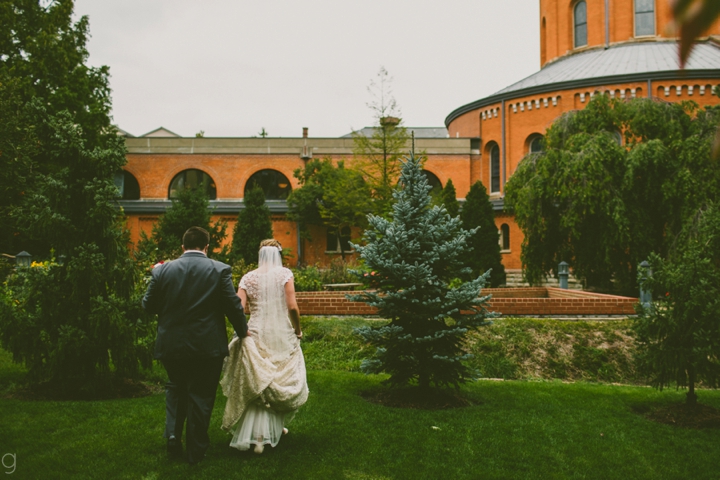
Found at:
(628, 62)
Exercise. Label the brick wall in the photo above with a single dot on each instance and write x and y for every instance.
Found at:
(509, 302)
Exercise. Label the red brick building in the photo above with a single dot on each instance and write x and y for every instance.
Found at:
(618, 47)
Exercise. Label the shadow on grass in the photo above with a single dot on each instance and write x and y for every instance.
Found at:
(418, 398)
(14, 385)
(680, 415)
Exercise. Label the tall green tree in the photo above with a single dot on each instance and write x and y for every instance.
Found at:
(478, 215)
(190, 208)
(378, 156)
(448, 197)
(330, 195)
(415, 256)
(678, 334)
(76, 323)
(603, 200)
(253, 226)
(43, 56)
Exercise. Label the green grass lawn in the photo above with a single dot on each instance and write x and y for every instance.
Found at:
(516, 429)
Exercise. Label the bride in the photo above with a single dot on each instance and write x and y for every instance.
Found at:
(264, 377)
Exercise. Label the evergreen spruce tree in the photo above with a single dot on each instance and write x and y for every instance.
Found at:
(449, 199)
(253, 226)
(477, 213)
(189, 209)
(414, 257)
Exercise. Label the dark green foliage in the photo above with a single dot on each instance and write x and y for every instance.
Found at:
(79, 325)
(449, 199)
(42, 57)
(190, 208)
(679, 334)
(477, 213)
(308, 279)
(312, 278)
(332, 196)
(604, 207)
(415, 256)
(44, 52)
(253, 226)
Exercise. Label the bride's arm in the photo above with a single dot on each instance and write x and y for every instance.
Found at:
(243, 298)
(293, 310)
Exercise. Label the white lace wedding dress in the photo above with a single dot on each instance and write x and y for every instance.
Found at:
(264, 376)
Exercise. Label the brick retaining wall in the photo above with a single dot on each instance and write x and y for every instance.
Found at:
(507, 301)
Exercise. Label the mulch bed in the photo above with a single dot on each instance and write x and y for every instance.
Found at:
(685, 416)
(416, 398)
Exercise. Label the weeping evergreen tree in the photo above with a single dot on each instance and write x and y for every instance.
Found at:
(414, 257)
(253, 226)
(477, 213)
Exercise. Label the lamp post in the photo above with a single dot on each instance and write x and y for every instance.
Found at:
(563, 273)
(23, 259)
(645, 293)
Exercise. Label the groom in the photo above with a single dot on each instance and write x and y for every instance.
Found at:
(191, 296)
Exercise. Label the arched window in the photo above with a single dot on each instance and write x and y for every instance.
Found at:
(127, 185)
(275, 185)
(504, 236)
(580, 20)
(494, 168)
(535, 143)
(644, 17)
(192, 178)
(434, 182)
(338, 241)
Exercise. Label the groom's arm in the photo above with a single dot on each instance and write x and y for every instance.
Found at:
(150, 300)
(233, 307)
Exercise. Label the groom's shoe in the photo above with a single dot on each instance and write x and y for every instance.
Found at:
(174, 447)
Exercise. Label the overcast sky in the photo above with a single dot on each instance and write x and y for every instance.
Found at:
(232, 67)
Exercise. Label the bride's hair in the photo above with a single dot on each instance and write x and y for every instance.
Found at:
(271, 242)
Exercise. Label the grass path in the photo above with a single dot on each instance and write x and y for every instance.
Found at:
(516, 430)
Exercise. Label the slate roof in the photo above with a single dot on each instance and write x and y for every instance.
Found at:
(616, 64)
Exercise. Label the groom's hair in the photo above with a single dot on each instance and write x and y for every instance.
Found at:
(196, 238)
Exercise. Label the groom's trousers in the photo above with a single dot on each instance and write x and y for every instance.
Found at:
(189, 398)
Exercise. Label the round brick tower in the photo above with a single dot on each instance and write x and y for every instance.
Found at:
(623, 48)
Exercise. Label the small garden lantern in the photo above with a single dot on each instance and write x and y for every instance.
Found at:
(563, 273)
(645, 293)
(23, 259)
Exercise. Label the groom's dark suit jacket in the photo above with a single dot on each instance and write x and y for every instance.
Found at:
(192, 295)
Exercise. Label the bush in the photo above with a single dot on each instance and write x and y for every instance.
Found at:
(340, 272)
(239, 269)
(308, 279)
(77, 340)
